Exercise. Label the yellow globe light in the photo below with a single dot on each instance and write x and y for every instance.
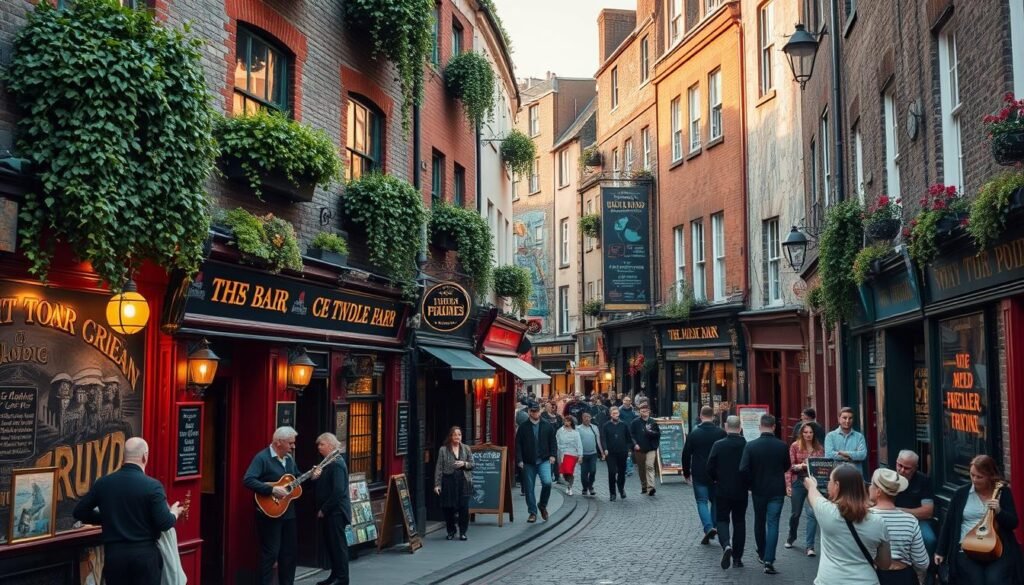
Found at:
(128, 311)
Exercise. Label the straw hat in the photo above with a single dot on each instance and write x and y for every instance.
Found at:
(889, 482)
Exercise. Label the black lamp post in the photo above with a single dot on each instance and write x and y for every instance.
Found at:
(795, 247)
(801, 49)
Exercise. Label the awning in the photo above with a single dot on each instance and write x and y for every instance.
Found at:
(519, 369)
(464, 365)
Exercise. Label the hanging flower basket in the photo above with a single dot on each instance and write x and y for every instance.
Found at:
(882, 218)
(1006, 128)
(1008, 148)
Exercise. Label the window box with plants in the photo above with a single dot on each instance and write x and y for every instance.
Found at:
(1006, 129)
(590, 225)
(271, 153)
(943, 212)
(329, 247)
(513, 283)
(590, 157)
(593, 308)
(471, 236)
(518, 152)
(882, 219)
(867, 264)
(468, 77)
(997, 200)
(264, 241)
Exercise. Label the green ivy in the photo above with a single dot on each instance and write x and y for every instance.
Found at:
(518, 152)
(267, 239)
(392, 213)
(515, 284)
(329, 242)
(271, 142)
(840, 241)
(590, 154)
(472, 236)
(469, 77)
(679, 302)
(402, 31)
(865, 258)
(816, 297)
(489, 7)
(590, 225)
(117, 123)
(593, 308)
(990, 208)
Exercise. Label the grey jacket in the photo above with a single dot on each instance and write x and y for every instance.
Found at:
(446, 463)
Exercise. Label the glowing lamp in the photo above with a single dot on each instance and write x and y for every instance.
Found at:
(128, 311)
(202, 367)
(300, 370)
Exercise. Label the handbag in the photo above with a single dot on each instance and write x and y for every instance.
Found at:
(568, 464)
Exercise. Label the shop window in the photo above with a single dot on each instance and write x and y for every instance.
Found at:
(261, 75)
(362, 139)
(460, 186)
(365, 407)
(967, 422)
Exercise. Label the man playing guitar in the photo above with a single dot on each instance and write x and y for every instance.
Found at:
(278, 536)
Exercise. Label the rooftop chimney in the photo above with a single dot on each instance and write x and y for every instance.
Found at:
(613, 26)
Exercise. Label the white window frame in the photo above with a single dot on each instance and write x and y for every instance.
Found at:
(645, 58)
(535, 176)
(1017, 42)
(563, 167)
(826, 159)
(693, 101)
(534, 115)
(563, 228)
(628, 147)
(700, 284)
(590, 290)
(950, 106)
(766, 42)
(858, 163)
(715, 105)
(676, 114)
(718, 251)
(892, 144)
(645, 141)
(675, 17)
(773, 262)
(563, 309)
(679, 243)
(615, 87)
(616, 164)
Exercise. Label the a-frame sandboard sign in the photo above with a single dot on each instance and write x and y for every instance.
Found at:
(398, 506)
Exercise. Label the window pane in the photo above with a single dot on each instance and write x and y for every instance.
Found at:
(258, 70)
(275, 77)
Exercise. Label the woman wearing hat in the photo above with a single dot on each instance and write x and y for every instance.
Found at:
(909, 557)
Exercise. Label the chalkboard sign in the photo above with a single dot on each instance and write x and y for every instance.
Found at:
(492, 491)
(398, 510)
(190, 426)
(820, 468)
(402, 429)
(285, 415)
(18, 431)
(670, 446)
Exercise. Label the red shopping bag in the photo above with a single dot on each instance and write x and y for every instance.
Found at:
(568, 464)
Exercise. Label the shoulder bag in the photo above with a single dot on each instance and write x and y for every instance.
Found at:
(904, 576)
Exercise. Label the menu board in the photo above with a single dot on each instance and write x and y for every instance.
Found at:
(488, 471)
(820, 468)
(362, 528)
(406, 499)
(750, 419)
(402, 429)
(190, 423)
(670, 446)
(18, 407)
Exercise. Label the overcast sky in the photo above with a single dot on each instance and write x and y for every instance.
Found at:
(555, 35)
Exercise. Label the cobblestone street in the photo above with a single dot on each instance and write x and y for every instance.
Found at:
(650, 541)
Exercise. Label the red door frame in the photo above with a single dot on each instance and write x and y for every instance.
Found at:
(1013, 317)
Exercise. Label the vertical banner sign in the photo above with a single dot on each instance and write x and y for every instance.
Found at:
(402, 420)
(70, 393)
(626, 237)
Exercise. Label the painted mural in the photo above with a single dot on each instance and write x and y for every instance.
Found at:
(531, 253)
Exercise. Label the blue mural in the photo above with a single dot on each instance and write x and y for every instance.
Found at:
(531, 253)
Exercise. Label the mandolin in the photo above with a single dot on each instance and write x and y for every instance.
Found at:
(274, 506)
(982, 543)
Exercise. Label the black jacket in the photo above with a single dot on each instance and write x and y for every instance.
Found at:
(949, 535)
(765, 462)
(132, 506)
(576, 408)
(530, 450)
(698, 448)
(646, 435)
(332, 491)
(264, 471)
(616, 438)
(724, 467)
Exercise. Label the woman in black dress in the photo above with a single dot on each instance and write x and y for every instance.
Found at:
(453, 481)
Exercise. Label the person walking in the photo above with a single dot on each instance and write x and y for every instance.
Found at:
(846, 444)
(453, 481)
(522, 415)
(598, 411)
(132, 509)
(909, 559)
(549, 414)
(334, 508)
(590, 438)
(570, 450)
(576, 407)
(278, 536)
(730, 492)
(854, 541)
(765, 461)
(647, 434)
(804, 447)
(695, 458)
(809, 416)
(968, 507)
(626, 412)
(535, 454)
(618, 443)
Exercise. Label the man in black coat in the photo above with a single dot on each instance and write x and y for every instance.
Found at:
(576, 407)
(765, 461)
(618, 443)
(730, 491)
(647, 434)
(132, 509)
(278, 536)
(334, 507)
(695, 458)
(536, 452)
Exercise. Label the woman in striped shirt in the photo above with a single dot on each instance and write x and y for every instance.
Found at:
(909, 557)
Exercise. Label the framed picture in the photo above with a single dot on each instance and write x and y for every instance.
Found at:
(33, 504)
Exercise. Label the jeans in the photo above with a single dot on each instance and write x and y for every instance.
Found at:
(530, 473)
(706, 508)
(736, 510)
(928, 534)
(588, 471)
(997, 572)
(617, 472)
(801, 505)
(767, 511)
(629, 466)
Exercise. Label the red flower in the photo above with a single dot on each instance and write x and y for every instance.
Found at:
(883, 200)
(906, 233)
(951, 191)
(938, 204)
(964, 221)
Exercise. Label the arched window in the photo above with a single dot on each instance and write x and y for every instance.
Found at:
(261, 74)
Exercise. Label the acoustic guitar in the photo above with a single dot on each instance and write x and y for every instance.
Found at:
(982, 543)
(274, 506)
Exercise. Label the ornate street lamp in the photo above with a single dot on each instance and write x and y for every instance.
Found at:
(796, 248)
(202, 367)
(801, 49)
(300, 370)
(128, 311)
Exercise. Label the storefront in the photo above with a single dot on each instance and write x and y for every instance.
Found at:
(593, 373)
(556, 359)
(703, 365)
(633, 356)
(777, 349)
(263, 327)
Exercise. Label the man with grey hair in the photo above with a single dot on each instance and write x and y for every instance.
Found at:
(278, 536)
(918, 499)
(132, 509)
(730, 486)
(334, 508)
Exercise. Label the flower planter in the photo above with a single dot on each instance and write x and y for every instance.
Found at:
(1008, 148)
(273, 182)
(328, 256)
(593, 159)
(949, 223)
(1016, 200)
(883, 229)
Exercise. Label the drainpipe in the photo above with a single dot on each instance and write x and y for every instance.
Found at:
(479, 174)
(414, 458)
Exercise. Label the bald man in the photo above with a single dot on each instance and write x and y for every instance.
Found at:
(132, 509)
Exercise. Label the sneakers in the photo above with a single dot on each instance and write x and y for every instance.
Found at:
(726, 557)
(612, 497)
(544, 514)
(708, 536)
(532, 518)
(760, 559)
(769, 569)
(811, 553)
(650, 492)
(622, 495)
(737, 564)
(569, 493)
(592, 492)
(789, 542)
